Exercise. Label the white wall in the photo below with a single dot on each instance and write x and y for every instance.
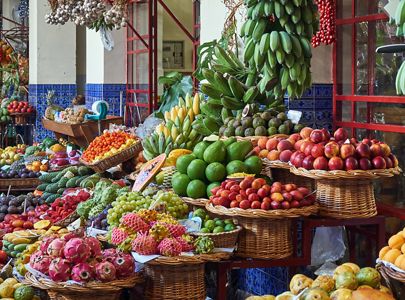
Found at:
(94, 57)
(213, 16)
(52, 49)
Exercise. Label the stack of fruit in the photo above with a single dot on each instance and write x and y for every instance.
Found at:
(148, 232)
(12, 289)
(9, 155)
(23, 205)
(80, 259)
(107, 145)
(15, 243)
(215, 225)
(25, 256)
(316, 149)
(20, 107)
(210, 163)
(62, 158)
(37, 166)
(24, 173)
(176, 132)
(257, 194)
(347, 282)
(269, 122)
(394, 253)
(72, 116)
(4, 115)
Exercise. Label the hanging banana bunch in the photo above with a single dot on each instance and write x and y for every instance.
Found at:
(176, 132)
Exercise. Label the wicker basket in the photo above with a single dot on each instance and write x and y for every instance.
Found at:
(345, 195)
(102, 291)
(266, 234)
(20, 183)
(226, 239)
(68, 220)
(124, 155)
(390, 273)
(198, 203)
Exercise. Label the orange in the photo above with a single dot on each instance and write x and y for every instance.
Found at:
(36, 168)
(44, 168)
(392, 255)
(396, 241)
(383, 251)
(36, 163)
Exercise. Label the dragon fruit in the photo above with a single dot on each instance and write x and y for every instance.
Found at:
(55, 248)
(118, 236)
(105, 271)
(40, 262)
(76, 250)
(124, 265)
(67, 237)
(94, 244)
(134, 222)
(82, 272)
(186, 242)
(176, 230)
(109, 254)
(46, 241)
(59, 269)
(144, 244)
(169, 247)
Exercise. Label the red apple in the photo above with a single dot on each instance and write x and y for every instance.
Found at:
(297, 162)
(394, 160)
(308, 149)
(351, 163)
(295, 137)
(215, 190)
(305, 191)
(272, 144)
(250, 191)
(308, 162)
(290, 187)
(385, 149)
(275, 205)
(284, 145)
(266, 199)
(375, 150)
(285, 155)
(366, 141)
(318, 150)
(224, 201)
(295, 204)
(297, 195)
(244, 184)
(287, 196)
(235, 188)
(341, 134)
(232, 196)
(388, 162)
(304, 145)
(365, 164)
(347, 150)
(316, 136)
(298, 144)
(305, 132)
(285, 205)
(245, 204)
(320, 163)
(253, 197)
(379, 163)
(331, 149)
(239, 198)
(234, 204)
(265, 205)
(255, 205)
(363, 150)
(326, 134)
(335, 163)
(262, 193)
(229, 185)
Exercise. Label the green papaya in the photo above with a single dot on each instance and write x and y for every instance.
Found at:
(216, 152)
(238, 150)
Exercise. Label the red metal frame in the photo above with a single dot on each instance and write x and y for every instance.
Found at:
(149, 45)
(353, 98)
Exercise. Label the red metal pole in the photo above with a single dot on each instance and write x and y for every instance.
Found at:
(150, 56)
(155, 55)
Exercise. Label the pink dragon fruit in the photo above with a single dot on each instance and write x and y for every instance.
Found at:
(40, 262)
(144, 244)
(82, 272)
(95, 246)
(105, 271)
(169, 247)
(124, 265)
(67, 237)
(76, 250)
(46, 241)
(109, 254)
(59, 269)
(55, 248)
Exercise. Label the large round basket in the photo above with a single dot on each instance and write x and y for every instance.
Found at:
(346, 194)
(255, 139)
(178, 278)
(394, 279)
(265, 234)
(227, 239)
(280, 171)
(112, 161)
(195, 203)
(100, 290)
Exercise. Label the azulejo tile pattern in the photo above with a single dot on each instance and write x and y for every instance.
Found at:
(316, 106)
(64, 94)
(263, 281)
(108, 92)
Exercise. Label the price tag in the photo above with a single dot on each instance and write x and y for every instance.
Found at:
(74, 225)
(143, 258)
(193, 225)
(94, 232)
(294, 116)
(44, 161)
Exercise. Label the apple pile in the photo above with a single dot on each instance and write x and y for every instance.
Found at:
(255, 193)
(317, 149)
(19, 107)
(17, 222)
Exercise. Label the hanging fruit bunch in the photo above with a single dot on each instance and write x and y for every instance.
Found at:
(277, 37)
(93, 14)
(5, 53)
(327, 23)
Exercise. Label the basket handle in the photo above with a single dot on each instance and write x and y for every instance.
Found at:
(21, 137)
(384, 276)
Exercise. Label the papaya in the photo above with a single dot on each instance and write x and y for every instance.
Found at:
(216, 152)
(238, 150)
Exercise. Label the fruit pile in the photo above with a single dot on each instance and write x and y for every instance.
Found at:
(327, 23)
(66, 205)
(215, 225)
(80, 259)
(107, 145)
(9, 155)
(37, 166)
(134, 201)
(348, 282)
(176, 131)
(12, 289)
(15, 205)
(394, 253)
(316, 149)
(24, 173)
(210, 163)
(71, 116)
(266, 123)
(24, 257)
(54, 184)
(257, 194)
(62, 158)
(4, 115)
(16, 243)
(18, 107)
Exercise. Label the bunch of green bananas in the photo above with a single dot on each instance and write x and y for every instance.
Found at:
(277, 37)
(176, 132)
(399, 18)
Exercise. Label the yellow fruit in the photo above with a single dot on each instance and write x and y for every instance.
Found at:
(383, 251)
(17, 285)
(396, 241)
(285, 296)
(384, 289)
(392, 255)
(42, 224)
(353, 266)
(179, 152)
(196, 104)
(299, 282)
(10, 281)
(400, 261)
(364, 287)
(342, 269)
(403, 249)
(6, 290)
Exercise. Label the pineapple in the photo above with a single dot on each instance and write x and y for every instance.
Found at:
(52, 108)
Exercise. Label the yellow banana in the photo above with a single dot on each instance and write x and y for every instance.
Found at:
(189, 101)
(167, 116)
(191, 114)
(173, 113)
(196, 104)
(166, 132)
(174, 133)
(181, 102)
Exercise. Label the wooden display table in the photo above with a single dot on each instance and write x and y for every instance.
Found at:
(80, 134)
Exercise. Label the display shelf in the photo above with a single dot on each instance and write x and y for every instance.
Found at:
(308, 226)
(80, 134)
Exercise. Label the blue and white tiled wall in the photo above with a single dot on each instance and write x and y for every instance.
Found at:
(316, 106)
(108, 92)
(263, 281)
(64, 94)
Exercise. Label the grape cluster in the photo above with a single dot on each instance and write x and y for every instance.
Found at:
(174, 205)
(100, 221)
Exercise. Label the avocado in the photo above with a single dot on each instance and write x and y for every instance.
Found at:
(298, 127)
(240, 131)
(230, 131)
(289, 123)
(258, 122)
(247, 122)
(282, 116)
(216, 152)
(222, 130)
(272, 131)
(274, 122)
(236, 123)
(228, 120)
(283, 129)
(261, 131)
(266, 115)
(249, 131)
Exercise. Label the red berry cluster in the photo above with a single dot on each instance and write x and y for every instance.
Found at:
(327, 23)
